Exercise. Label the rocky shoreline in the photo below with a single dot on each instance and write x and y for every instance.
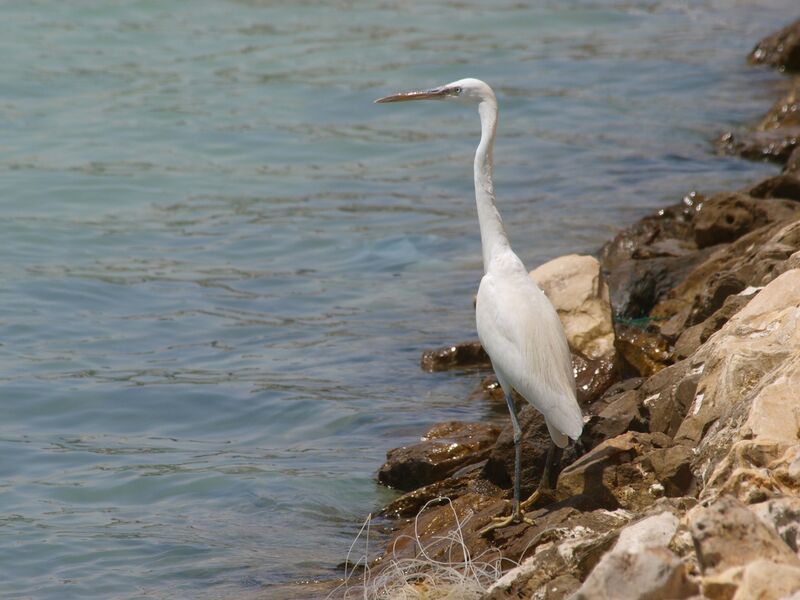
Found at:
(685, 335)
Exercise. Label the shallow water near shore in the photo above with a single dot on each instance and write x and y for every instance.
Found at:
(221, 261)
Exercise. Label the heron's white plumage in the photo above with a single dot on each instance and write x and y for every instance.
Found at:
(521, 332)
(517, 324)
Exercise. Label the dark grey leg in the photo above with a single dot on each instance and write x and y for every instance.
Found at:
(552, 467)
(517, 455)
(580, 448)
(516, 515)
(547, 484)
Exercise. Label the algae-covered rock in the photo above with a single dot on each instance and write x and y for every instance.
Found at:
(644, 351)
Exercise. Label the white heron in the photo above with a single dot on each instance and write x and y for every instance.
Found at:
(517, 324)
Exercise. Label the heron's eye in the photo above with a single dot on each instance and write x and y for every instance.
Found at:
(457, 91)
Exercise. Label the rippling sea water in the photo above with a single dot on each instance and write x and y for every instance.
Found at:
(220, 261)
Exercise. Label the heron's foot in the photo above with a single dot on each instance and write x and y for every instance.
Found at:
(540, 496)
(512, 519)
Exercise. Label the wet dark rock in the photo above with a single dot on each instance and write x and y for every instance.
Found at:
(432, 527)
(458, 356)
(718, 288)
(775, 138)
(627, 384)
(638, 286)
(774, 145)
(490, 389)
(618, 410)
(780, 50)
(785, 112)
(693, 337)
(593, 377)
(750, 261)
(792, 165)
(669, 227)
(465, 481)
(444, 449)
(781, 186)
(727, 216)
(645, 352)
(644, 261)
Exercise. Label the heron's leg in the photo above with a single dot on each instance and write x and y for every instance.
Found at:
(516, 515)
(580, 448)
(517, 454)
(547, 484)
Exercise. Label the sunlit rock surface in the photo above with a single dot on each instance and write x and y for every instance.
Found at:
(576, 288)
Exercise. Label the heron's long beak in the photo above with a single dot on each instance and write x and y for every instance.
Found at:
(433, 94)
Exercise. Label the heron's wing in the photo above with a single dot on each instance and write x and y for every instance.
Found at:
(521, 332)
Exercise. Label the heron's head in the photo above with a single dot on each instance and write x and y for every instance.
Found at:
(473, 91)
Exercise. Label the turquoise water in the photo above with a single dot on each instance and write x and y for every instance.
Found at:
(220, 260)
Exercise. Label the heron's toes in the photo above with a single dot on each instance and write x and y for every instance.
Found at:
(541, 497)
(512, 519)
(534, 497)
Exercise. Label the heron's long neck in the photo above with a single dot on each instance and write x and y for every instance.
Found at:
(493, 235)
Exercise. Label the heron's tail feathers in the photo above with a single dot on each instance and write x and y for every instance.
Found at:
(559, 439)
(565, 424)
